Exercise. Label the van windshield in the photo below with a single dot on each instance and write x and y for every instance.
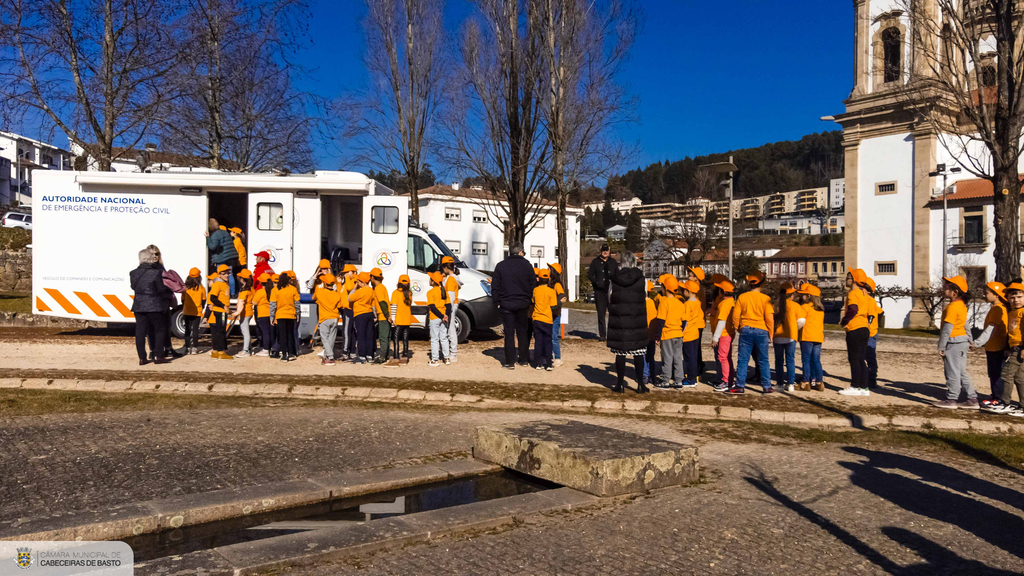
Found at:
(444, 248)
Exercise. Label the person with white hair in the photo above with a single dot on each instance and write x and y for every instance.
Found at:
(150, 307)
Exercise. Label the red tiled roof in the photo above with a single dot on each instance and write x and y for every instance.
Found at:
(809, 253)
(972, 189)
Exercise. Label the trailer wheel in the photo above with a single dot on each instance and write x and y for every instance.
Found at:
(177, 324)
(462, 325)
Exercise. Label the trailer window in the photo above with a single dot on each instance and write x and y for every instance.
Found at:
(270, 216)
(384, 220)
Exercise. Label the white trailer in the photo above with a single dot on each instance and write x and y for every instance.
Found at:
(90, 226)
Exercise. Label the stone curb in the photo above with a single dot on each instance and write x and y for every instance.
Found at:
(329, 544)
(647, 407)
(174, 512)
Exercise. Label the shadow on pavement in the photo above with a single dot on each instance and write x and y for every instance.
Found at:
(603, 376)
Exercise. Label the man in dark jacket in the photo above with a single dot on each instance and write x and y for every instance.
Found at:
(512, 287)
(221, 246)
(150, 306)
(599, 274)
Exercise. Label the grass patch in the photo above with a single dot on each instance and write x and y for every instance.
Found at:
(913, 332)
(14, 403)
(580, 306)
(19, 303)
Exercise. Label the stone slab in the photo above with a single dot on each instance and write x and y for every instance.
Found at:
(205, 562)
(704, 410)
(734, 412)
(595, 459)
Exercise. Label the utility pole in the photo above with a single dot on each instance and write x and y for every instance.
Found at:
(940, 170)
(730, 220)
(729, 168)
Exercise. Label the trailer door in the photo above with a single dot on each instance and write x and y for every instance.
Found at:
(385, 233)
(270, 227)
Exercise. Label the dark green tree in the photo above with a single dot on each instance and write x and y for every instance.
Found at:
(609, 217)
(744, 263)
(634, 232)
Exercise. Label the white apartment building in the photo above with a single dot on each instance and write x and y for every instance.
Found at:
(803, 224)
(19, 158)
(837, 193)
(464, 219)
(620, 206)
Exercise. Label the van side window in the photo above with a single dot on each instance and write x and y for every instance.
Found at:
(384, 220)
(421, 255)
(270, 216)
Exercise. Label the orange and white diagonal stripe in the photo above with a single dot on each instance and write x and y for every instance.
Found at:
(76, 304)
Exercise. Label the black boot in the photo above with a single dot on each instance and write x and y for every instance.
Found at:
(642, 388)
(619, 388)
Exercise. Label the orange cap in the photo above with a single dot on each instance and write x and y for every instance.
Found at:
(263, 277)
(447, 260)
(755, 277)
(364, 277)
(213, 276)
(650, 286)
(377, 272)
(997, 288)
(235, 230)
(661, 279)
(224, 228)
(404, 279)
(436, 277)
(958, 281)
(194, 273)
(536, 272)
(787, 288)
(556, 267)
(858, 275)
(275, 277)
(691, 286)
(716, 278)
(669, 282)
(725, 286)
(870, 284)
(325, 263)
(244, 273)
(809, 289)
(328, 279)
(290, 274)
(223, 268)
(544, 274)
(697, 271)
(1015, 286)
(348, 268)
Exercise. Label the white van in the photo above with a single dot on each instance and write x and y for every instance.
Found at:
(90, 226)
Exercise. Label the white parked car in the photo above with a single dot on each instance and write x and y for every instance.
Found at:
(17, 220)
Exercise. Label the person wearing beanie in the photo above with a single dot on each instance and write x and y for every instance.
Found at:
(383, 307)
(362, 302)
(219, 301)
(993, 338)
(262, 300)
(192, 304)
(329, 303)
(723, 329)
(545, 300)
(855, 321)
(754, 319)
(437, 316)
(401, 305)
(243, 311)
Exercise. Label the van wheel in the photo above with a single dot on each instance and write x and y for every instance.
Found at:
(462, 325)
(177, 324)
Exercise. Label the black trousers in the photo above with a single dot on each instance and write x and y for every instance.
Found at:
(601, 301)
(152, 325)
(514, 323)
(691, 359)
(620, 368)
(218, 332)
(856, 352)
(402, 335)
(994, 363)
(192, 331)
(286, 336)
(266, 333)
(700, 352)
(542, 343)
(364, 334)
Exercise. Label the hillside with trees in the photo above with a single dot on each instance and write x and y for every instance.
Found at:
(776, 167)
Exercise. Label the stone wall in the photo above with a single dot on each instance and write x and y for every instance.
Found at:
(16, 271)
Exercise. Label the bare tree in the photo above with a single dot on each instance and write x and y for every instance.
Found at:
(93, 68)
(234, 104)
(585, 44)
(495, 131)
(966, 79)
(391, 124)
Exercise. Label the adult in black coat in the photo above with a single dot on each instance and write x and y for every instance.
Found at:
(150, 306)
(600, 273)
(627, 320)
(512, 287)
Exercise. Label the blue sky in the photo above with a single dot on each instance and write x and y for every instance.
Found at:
(710, 76)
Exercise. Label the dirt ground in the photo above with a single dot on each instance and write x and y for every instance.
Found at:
(910, 370)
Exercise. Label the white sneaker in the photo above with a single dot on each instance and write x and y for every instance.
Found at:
(558, 362)
(320, 354)
(865, 392)
(263, 353)
(242, 354)
(851, 391)
(433, 363)
(454, 359)
(790, 387)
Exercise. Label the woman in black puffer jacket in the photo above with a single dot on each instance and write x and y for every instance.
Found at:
(627, 320)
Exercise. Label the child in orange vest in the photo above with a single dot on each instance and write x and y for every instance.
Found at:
(287, 298)
(789, 318)
(693, 325)
(362, 301)
(545, 300)
(437, 315)
(219, 301)
(401, 305)
(812, 335)
(243, 311)
(192, 304)
(953, 345)
(724, 331)
(329, 302)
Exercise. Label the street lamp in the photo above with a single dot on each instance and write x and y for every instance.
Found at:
(719, 168)
(940, 170)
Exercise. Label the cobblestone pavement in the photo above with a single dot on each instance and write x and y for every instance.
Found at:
(765, 510)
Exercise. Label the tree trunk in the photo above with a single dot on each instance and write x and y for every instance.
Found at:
(563, 239)
(413, 177)
(1007, 210)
